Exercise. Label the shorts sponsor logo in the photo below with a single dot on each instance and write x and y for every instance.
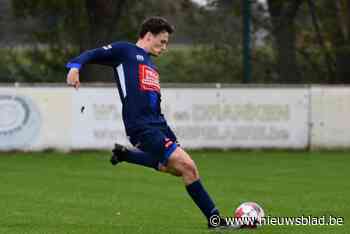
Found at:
(168, 142)
(20, 122)
(148, 78)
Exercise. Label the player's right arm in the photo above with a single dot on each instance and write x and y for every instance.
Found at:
(108, 55)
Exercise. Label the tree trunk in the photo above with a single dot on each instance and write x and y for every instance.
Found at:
(282, 15)
(342, 41)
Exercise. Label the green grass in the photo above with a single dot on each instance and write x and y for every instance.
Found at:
(82, 193)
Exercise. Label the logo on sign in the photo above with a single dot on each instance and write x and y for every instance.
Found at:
(149, 78)
(20, 122)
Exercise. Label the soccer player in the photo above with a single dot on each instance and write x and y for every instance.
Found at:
(137, 80)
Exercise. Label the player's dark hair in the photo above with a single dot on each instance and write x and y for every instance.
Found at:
(155, 25)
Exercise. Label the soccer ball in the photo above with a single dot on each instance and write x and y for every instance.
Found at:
(249, 215)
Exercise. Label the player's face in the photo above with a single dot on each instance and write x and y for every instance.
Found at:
(158, 43)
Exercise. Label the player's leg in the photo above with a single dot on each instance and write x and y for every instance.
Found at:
(178, 162)
(138, 157)
(134, 156)
(182, 163)
(171, 171)
(151, 145)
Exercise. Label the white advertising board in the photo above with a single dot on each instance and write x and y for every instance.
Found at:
(330, 117)
(40, 118)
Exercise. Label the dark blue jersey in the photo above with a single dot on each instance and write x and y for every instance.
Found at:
(137, 79)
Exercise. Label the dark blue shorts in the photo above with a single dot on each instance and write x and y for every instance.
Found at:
(158, 141)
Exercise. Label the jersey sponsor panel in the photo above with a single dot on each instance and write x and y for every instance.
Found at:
(148, 78)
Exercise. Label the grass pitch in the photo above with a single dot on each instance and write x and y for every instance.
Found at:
(82, 193)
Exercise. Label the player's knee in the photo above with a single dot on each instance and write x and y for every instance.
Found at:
(181, 162)
(189, 170)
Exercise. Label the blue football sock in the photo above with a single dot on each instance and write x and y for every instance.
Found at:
(140, 158)
(202, 199)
